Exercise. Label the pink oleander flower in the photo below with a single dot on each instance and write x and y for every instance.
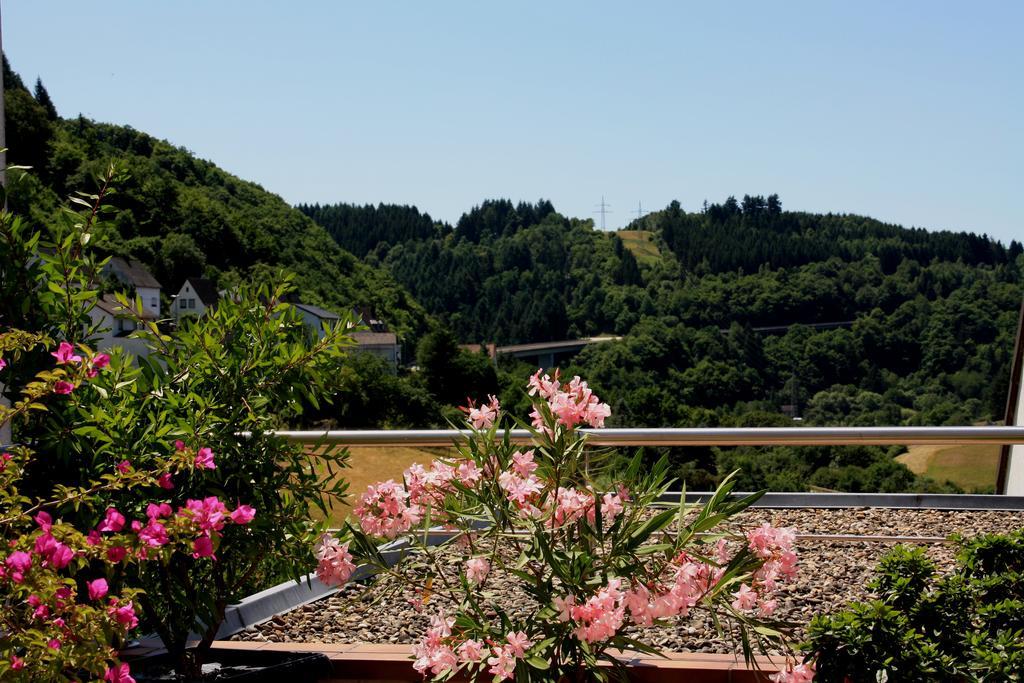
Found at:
(243, 514)
(545, 387)
(334, 562)
(65, 353)
(97, 589)
(123, 466)
(520, 490)
(202, 547)
(204, 459)
(113, 521)
(571, 506)
(477, 570)
(3, 364)
(385, 510)
(766, 540)
(503, 663)
(62, 387)
(17, 663)
(612, 505)
(121, 673)
(432, 653)
(767, 607)
(471, 651)
(564, 607)
(801, 673)
(518, 641)
(746, 598)
(523, 464)
(179, 445)
(601, 616)
(467, 473)
(100, 361)
(123, 614)
(429, 487)
(53, 644)
(165, 481)
(116, 553)
(484, 416)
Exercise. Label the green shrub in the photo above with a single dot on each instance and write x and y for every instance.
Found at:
(967, 625)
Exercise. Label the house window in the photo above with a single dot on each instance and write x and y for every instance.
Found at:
(191, 303)
(152, 302)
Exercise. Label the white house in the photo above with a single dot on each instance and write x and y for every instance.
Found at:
(135, 275)
(113, 324)
(314, 317)
(195, 296)
(377, 340)
(383, 344)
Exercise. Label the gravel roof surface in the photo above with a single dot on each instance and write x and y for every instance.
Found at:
(832, 573)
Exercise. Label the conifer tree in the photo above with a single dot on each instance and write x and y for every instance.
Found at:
(43, 98)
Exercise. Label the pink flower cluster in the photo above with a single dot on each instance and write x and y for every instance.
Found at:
(385, 510)
(477, 570)
(438, 652)
(775, 547)
(484, 416)
(65, 355)
(334, 562)
(801, 673)
(600, 617)
(573, 404)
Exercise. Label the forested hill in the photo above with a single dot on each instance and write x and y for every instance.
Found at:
(928, 316)
(183, 216)
(757, 232)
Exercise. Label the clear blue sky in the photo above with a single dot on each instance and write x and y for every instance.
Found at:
(911, 112)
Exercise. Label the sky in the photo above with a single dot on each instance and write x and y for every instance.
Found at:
(911, 112)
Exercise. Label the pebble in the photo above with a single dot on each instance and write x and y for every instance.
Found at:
(832, 573)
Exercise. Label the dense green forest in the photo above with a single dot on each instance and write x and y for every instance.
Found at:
(183, 216)
(923, 319)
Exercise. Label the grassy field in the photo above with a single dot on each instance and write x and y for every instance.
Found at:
(370, 465)
(973, 468)
(641, 243)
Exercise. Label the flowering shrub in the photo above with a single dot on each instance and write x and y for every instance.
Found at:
(62, 614)
(599, 555)
(130, 481)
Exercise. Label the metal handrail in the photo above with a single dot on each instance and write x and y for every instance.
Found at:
(688, 436)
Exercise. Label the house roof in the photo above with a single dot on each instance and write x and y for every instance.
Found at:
(374, 338)
(108, 304)
(321, 313)
(132, 272)
(204, 289)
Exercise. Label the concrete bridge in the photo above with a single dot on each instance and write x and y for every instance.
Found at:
(548, 354)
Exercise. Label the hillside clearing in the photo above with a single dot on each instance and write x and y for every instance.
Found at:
(973, 468)
(641, 243)
(370, 465)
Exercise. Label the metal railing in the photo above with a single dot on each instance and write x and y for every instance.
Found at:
(687, 436)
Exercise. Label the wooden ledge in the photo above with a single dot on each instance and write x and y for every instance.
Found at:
(383, 663)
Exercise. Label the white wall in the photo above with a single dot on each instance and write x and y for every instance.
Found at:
(150, 300)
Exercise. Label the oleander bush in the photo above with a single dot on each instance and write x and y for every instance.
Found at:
(967, 625)
(595, 552)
